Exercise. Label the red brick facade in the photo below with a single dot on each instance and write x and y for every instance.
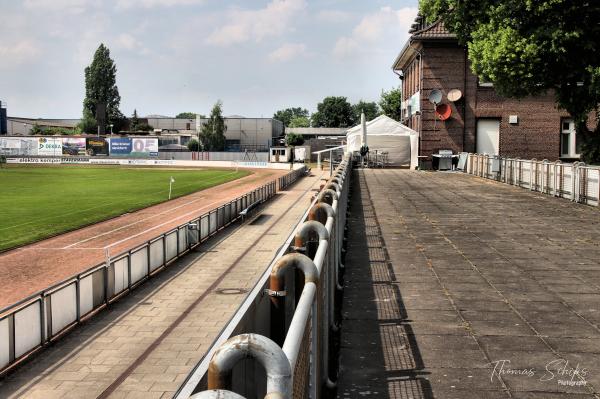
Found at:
(433, 59)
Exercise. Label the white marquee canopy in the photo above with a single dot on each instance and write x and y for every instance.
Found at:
(387, 135)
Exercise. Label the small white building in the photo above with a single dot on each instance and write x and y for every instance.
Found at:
(280, 154)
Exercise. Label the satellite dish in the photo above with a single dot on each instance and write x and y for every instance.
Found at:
(435, 96)
(443, 111)
(454, 95)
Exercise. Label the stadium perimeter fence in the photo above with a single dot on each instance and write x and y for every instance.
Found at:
(575, 181)
(295, 343)
(32, 323)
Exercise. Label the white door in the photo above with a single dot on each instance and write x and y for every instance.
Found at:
(488, 136)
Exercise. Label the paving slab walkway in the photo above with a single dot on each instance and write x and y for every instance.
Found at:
(459, 287)
(145, 345)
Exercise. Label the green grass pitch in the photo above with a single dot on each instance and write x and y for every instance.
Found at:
(40, 201)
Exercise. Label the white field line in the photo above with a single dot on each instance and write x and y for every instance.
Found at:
(134, 223)
(157, 226)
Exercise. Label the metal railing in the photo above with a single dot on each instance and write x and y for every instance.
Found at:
(297, 356)
(33, 322)
(575, 181)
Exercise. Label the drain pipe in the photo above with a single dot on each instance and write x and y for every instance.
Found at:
(277, 289)
(216, 394)
(260, 348)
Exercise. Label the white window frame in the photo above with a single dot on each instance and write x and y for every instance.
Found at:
(572, 139)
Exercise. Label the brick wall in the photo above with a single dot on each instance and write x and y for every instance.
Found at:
(445, 67)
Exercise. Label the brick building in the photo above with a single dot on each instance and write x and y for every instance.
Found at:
(481, 120)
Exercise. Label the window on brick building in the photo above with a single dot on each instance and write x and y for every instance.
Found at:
(569, 146)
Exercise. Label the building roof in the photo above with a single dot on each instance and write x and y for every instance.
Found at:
(421, 31)
(437, 30)
(317, 131)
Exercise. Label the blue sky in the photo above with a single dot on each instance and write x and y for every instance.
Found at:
(183, 55)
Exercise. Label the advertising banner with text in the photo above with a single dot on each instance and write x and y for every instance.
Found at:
(49, 146)
(120, 146)
(96, 146)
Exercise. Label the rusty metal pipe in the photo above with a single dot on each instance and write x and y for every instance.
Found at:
(277, 289)
(306, 230)
(327, 196)
(320, 212)
(259, 348)
(216, 394)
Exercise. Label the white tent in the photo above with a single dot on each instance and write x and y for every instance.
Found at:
(387, 135)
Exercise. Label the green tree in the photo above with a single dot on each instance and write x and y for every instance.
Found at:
(300, 121)
(101, 87)
(134, 121)
(213, 131)
(187, 115)
(287, 115)
(88, 123)
(293, 139)
(36, 130)
(333, 112)
(390, 103)
(370, 109)
(193, 145)
(532, 47)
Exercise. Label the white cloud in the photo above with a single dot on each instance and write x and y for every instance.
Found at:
(125, 4)
(287, 52)
(18, 53)
(255, 25)
(69, 6)
(375, 27)
(333, 16)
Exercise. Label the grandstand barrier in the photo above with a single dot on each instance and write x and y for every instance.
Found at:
(32, 323)
(292, 313)
(577, 181)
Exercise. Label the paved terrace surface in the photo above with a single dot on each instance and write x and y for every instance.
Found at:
(34, 267)
(449, 277)
(145, 345)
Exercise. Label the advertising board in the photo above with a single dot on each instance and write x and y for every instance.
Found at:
(49, 146)
(18, 146)
(144, 147)
(96, 146)
(120, 146)
(73, 146)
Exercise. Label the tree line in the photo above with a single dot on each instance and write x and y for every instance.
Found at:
(337, 111)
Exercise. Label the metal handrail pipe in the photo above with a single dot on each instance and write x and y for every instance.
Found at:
(254, 346)
(297, 260)
(335, 187)
(216, 394)
(321, 211)
(295, 335)
(327, 196)
(311, 226)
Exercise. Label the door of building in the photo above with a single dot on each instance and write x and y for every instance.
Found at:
(488, 136)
